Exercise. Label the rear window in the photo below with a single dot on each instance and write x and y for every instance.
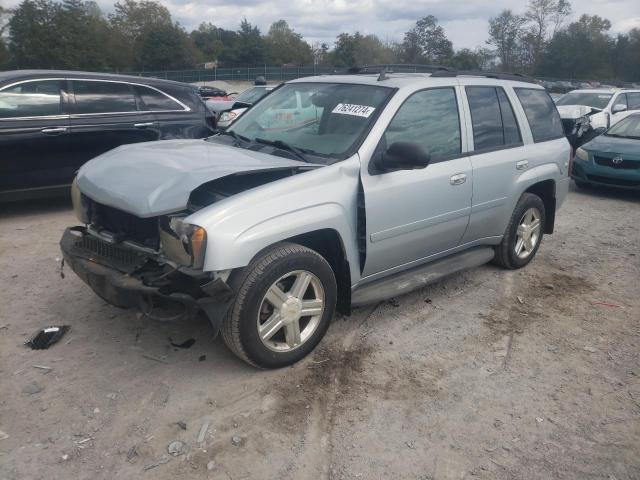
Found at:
(494, 124)
(541, 113)
(103, 97)
(155, 100)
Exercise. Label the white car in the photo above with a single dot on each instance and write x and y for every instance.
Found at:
(588, 112)
(241, 104)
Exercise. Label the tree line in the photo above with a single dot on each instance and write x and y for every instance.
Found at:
(141, 35)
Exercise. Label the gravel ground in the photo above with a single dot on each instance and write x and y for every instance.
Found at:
(490, 374)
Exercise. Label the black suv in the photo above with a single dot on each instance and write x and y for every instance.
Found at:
(51, 122)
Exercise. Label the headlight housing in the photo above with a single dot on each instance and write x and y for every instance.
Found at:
(80, 204)
(582, 154)
(228, 117)
(183, 242)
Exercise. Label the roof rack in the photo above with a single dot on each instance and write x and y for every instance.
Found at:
(400, 68)
(518, 77)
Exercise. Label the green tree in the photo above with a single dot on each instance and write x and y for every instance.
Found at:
(505, 33)
(208, 42)
(165, 47)
(32, 34)
(249, 48)
(427, 42)
(582, 50)
(545, 17)
(360, 50)
(285, 46)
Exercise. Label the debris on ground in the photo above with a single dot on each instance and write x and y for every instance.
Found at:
(590, 349)
(211, 465)
(133, 452)
(520, 299)
(186, 344)
(202, 358)
(182, 424)
(46, 337)
(154, 358)
(605, 304)
(164, 459)
(32, 388)
(112, 395)
(203, 432)
(3, 436)
(44, 368)
(237, 441)
(176, 448)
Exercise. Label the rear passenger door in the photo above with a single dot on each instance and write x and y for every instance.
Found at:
(497, 156)
(105, 115)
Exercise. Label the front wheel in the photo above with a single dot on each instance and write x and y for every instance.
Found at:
(523, 234)
(284, 303)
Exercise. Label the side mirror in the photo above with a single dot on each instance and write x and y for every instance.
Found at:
(403, 156)
(618, 108)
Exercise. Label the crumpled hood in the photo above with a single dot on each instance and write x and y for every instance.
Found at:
(155, 178)
(574, 111)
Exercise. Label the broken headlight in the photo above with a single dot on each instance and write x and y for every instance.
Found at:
(80, 204)
(182, 242)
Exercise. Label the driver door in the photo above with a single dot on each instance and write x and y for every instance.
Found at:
(414, 214)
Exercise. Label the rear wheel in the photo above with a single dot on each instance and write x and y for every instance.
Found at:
(523, 234)
(285, 300)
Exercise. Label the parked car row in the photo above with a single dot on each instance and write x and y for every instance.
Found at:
(52, 122)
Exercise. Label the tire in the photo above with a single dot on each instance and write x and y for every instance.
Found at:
(506, 254)
(278, 269)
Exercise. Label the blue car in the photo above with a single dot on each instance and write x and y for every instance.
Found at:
(611, 159)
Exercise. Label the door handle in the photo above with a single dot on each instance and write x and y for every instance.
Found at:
(143, 125)
(522, 165)
(54, 130)
(458, 179)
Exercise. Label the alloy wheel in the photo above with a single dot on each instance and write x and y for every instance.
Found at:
(528, 233)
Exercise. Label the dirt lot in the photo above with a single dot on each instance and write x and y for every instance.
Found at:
(490, 374)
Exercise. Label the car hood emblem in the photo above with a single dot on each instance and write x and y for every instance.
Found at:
(617, 159)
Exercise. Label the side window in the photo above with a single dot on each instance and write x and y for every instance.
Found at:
(541, 113)
(103, 97)
(493, 120)
(430, 119)
(509, 123)
(155, 100)
(633, 100)
(38, 98)
(621, 100)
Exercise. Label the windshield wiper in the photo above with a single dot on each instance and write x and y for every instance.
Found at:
(233, 134)
(283, 146)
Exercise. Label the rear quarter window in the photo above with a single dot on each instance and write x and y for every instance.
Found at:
(541, 113)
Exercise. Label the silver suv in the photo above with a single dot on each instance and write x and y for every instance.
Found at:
(330, 192)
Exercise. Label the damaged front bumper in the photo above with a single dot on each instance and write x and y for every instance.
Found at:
(126, 277)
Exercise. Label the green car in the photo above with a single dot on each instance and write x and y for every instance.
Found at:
(611, 159)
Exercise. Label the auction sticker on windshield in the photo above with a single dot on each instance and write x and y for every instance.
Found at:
(351, 109)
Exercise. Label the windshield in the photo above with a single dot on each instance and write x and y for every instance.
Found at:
(325, 119)
(590, 99)
(252, 95)
(626, 128)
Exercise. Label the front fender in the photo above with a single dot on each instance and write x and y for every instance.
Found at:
(237, 251)
(242, 225)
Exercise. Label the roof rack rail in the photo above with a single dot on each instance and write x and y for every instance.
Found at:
(518, 77)
(401, 68)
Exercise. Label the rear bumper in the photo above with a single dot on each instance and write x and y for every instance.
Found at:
(112, 281)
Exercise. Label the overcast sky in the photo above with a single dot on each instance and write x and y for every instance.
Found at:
(465, 21)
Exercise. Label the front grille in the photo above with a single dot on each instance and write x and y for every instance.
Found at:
(608, 162)
(621, 182)
(122, 258)
(126, 226)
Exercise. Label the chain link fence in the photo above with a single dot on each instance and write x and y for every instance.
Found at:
(235, 74)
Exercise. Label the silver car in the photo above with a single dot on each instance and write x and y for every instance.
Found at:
(332, 191)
